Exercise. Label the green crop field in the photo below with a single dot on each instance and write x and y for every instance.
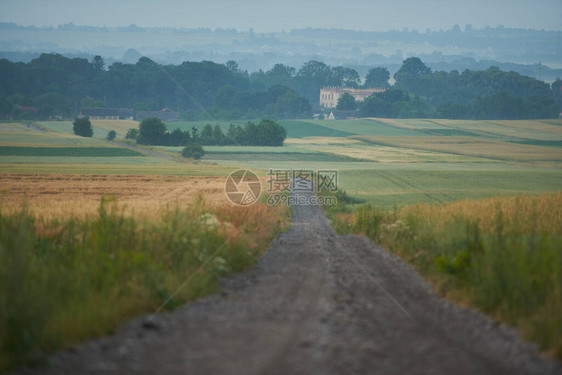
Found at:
(304, 128)
(25, 149)
(295, 128)
(20, 134)
(240, 149)
(65, 127)
(67, 151)
(386, 188)
(113, 166)
(383, 161)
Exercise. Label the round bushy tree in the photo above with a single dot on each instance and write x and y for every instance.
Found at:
(132, 133)
(346, 102)
(82, 127)
(111, 135)
(193, 150)
(152, 131)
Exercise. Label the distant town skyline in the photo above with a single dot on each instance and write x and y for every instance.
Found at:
(274, 16)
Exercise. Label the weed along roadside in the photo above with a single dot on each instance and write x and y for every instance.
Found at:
(499, 255)
(69, 278)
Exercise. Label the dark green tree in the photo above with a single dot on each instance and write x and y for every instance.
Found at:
(59, 103)
(218, 135)
(179, 137)
(152, 131)
(377, 78)
(46, 111)
(346, 102)
(82, 127)
(412, 66)
(270, 133)
(195, 134)
(382, 104)
(250, 132)
(194, 151)
(452, 110)
(111, 135)
(557, 91)
(132, 133)
(345, 77)
(89, 102)
(98, 63)
(207, 135)
(5, 108)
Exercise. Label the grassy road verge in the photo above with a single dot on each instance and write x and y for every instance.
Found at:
(66, 279)
(500, 255)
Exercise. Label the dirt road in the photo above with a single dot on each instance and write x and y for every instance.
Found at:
(316, 303)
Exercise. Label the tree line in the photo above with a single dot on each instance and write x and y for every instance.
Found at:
(57, 85)
(152, 131)
(491, 94)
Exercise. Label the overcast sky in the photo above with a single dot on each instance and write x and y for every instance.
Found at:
(269, 15)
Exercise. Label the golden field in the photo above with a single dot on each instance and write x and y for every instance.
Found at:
(54, 195)
(471, 146)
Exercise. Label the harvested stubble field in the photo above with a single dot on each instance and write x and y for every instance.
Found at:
(54, 195)
(471, 146)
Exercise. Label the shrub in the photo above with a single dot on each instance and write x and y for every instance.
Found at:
(82, 127)
(132, 134)
(193, 150)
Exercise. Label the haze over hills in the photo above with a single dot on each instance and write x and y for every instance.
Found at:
(536, 53)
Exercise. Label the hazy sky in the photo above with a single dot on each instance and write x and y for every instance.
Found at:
(269, 15)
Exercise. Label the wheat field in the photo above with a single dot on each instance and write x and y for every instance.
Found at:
(54, 195)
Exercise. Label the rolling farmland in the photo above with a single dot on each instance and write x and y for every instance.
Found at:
(392, 164)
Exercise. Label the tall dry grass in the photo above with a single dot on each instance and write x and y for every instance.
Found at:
(501, 255)
(65, 279)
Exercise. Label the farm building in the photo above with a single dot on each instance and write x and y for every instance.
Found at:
(107, 113)
(329, 96)
(165, 114)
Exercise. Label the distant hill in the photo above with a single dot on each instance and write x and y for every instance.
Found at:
(521, 50)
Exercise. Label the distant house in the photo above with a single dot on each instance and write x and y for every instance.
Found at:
(329, 96)
(341, 115)
(107, 113)
(165, 114)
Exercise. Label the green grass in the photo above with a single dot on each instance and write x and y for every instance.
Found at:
(68, 151)
(124, 161)
(302, 157)
(31, 137)
(67, 279)
(132, 166)
(339, 128)
(537, 142)
(391, 187)
(500, 255)
(241, 149)
(304, 128)
(449, 132)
